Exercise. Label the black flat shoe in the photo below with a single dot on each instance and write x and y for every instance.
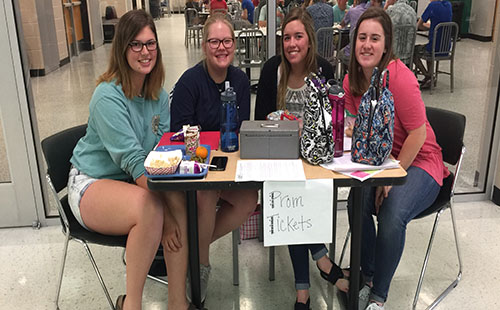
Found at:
(119, 302)
(302, 306)
(334, 274)
(193, 307)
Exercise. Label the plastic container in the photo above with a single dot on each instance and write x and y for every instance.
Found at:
(336, 97)
(228, 120)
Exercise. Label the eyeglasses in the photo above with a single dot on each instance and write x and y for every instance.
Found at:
(215, 43)
(137, 46)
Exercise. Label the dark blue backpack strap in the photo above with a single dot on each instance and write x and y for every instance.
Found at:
(383, 74)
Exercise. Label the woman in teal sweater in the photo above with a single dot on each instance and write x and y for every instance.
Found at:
(107, 189)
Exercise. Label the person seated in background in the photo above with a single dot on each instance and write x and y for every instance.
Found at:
(339, 10)
(401, 13)
(218, 5)
(351, 19)
(437, 11)
(414, 145)
(247, 10)
(282, 86)
(107, 188)
(321, 13)
(263, 14)
(193, 4)
(196, 100)
(376, 3)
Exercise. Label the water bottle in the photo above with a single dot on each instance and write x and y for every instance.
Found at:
(336, 96)
(228, 120)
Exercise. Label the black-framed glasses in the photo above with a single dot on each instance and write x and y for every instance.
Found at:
(215, 43)
(137, 46)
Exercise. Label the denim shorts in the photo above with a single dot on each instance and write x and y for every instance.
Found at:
(78, 183)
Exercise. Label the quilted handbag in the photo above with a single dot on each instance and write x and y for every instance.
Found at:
(373, 131)
(316, 142)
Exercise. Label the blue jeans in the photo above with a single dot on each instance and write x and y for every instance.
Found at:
(300, 262)
(381, 252)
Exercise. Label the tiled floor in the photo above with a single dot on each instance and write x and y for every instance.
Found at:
(31, 259)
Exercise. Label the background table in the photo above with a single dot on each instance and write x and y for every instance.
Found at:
(224, 180)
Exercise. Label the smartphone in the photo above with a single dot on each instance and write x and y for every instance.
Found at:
(220, 162)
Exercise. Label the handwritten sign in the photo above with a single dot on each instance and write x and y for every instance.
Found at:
(298, 212)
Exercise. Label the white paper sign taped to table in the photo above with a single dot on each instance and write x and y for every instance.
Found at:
(298, 212)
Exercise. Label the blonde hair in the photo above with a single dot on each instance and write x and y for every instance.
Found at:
(214, 19)
(119, 69)
(303, 16)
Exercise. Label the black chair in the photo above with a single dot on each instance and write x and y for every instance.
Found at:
(58, 150)
(449, 128)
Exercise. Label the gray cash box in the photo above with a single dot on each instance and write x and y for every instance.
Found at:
(269, 139)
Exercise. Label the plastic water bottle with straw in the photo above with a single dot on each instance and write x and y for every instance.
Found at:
(229, 120)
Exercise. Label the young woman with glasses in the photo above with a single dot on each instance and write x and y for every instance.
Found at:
(282, 86)
(107, 189)
(196, 101)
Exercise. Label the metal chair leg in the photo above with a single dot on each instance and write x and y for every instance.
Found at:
(426, 260)
(451, 76)
(344, 247)
(154, 278)
(236, 275)
(431, 71)
(61, 272)
(91, 258)
(271, 263)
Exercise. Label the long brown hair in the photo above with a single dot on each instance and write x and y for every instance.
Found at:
(303, 16)
(358, 82)
(127, 29)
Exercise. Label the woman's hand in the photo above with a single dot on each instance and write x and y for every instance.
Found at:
(171, 233)
(381, 193)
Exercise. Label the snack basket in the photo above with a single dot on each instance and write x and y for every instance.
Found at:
(163, 163)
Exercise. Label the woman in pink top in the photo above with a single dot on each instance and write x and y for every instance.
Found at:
(414, 146)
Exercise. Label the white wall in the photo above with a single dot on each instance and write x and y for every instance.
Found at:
(422, 4)
(481, 16)
(481, 19)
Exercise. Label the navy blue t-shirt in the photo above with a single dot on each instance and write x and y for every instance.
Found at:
(196, 98)
(437, 12)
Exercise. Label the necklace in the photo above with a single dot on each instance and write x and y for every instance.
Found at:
(220, 86)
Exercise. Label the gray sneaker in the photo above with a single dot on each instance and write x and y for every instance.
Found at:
(374, 306)
(364, 297)
(204, 276)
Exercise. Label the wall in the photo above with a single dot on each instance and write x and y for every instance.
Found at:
(62, 44)
(121, 6)
(481, 19)
(494, 96)
(95, 23)
(31, 34)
